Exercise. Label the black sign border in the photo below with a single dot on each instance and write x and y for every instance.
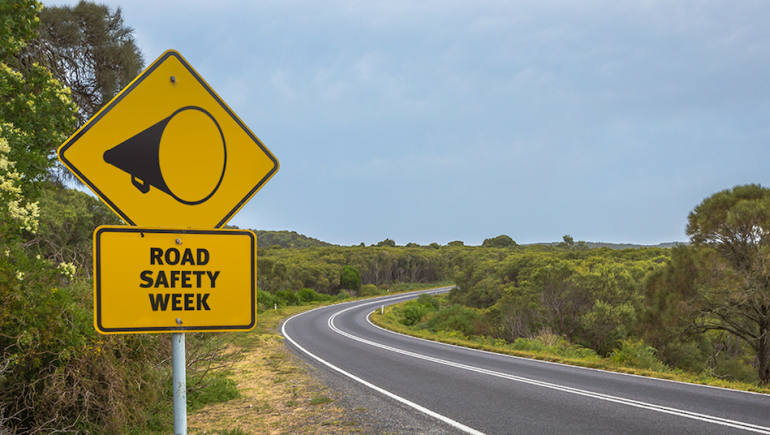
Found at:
(169, 329)
(115, 101)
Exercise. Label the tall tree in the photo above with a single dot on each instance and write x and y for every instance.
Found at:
(736, 224)
(90, 50)
(501, 241)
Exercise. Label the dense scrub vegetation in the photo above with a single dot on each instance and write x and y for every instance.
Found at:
(682, 308)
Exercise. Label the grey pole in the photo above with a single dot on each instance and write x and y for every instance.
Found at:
(180, 383)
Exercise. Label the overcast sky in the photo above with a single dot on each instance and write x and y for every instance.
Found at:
(434, 121)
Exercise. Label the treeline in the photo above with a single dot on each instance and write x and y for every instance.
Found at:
(287, 239)
(321, 269)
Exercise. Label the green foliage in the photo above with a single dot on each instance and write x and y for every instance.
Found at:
(569, 244)
(36, 116)
(635, 353)
(350, 278)
(287, 239)
(414, 311)
(387, 243)
(68, 218)
(286, 298)
(370, 290)
(456, 318)
(18, 21)
(456, 243)
(429, 300)
(501, 241)
(735, 223)
(265, 300)
(307, 295)
(88, 49)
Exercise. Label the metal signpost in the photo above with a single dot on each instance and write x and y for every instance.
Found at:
(173, 161)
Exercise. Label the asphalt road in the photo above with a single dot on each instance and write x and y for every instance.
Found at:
(477, 392)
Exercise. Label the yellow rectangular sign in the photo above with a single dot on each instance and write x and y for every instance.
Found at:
(174, 280)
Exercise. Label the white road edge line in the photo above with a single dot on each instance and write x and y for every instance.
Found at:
(615, 399)
(400, 399)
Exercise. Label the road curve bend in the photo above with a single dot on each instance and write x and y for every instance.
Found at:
(478, 392)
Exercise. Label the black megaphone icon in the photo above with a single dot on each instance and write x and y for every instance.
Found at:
(139, 155)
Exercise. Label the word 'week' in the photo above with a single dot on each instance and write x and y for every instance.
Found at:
(179, 279)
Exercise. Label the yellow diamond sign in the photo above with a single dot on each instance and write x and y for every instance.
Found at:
(168, 152)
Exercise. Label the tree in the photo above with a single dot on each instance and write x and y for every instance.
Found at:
(90, 50)
(501, 241)
(568, 242)
(387, 242)
(350, 278)
(736, 224)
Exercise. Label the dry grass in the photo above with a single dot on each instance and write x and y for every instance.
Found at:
(278, 395)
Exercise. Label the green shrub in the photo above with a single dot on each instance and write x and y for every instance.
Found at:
(635, 353)
(286, 298)
(341, 296)
(426, 299)
(413, 312)
(265, 301)
(307, 295)
(455, 318)
(370, 290)
(350, 278)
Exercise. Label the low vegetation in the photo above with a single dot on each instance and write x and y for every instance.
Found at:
(435, 318)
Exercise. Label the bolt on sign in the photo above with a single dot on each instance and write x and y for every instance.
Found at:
(168, 280)
(168, 152)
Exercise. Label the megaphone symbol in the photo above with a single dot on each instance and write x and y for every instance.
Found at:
(161, 156)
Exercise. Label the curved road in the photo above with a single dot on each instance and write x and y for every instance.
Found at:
(477, 392)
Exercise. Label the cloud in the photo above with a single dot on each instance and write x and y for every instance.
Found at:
(465, 120)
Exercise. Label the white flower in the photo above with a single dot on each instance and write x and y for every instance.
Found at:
(67, 269)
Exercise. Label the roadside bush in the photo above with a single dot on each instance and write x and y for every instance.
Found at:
(341, 296)
(307, 295)
(456, 318)
(286, 298)
(370, 290)
(265, 301)
(414, 311)
(426, 299)
(635, 353)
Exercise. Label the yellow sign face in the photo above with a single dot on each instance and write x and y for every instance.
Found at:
(165, 280)
(168, 152)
